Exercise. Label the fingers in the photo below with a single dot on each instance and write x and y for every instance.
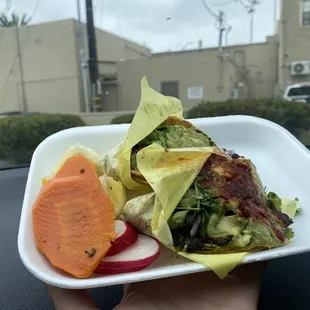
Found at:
(240, 289)
(250, 273)
(64, 299)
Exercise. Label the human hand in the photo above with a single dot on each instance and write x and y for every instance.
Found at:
(64, 299)
(239, 290)
(205, 290)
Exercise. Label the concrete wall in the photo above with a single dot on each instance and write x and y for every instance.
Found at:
(49, 65)
(294, 42)
(255, 66)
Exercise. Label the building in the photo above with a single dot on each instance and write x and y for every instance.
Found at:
(294, 43)
(51, 66)
(238, 71)
(52, 71)
(247, 71)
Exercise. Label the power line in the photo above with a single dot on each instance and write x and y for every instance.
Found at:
(246, 7)
(225, 3)
(249, 6)
(35, 8)
(209, 9)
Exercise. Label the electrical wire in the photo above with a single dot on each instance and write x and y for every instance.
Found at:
(225, 3)
(246, 6)
(35, 9)
(209, 9)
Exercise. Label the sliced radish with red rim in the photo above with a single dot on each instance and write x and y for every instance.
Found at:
(126, 237)
(137, 257)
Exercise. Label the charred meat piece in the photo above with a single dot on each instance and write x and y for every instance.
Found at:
(239, 189)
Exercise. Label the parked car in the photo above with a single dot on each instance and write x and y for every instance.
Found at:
(298, 92)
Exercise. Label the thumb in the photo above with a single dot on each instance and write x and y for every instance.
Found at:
(64, 299)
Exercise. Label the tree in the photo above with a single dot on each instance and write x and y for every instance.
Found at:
(15, 20)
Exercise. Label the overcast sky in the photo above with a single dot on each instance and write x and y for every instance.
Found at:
(160, 24)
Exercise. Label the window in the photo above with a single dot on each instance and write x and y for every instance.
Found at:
(170, 89)
(299, 91)
(306, 13)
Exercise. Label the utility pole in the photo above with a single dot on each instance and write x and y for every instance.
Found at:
(93, 63)
(21, 71)
(251, 12)
(82, 57)
(221, 29)
(250, 8)
(275, 16)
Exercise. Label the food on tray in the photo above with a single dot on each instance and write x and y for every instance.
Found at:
(167, 180)
(208, 202)
(73, 224)
(172, 133)
(226, 209)
(126, 237)
(116, 191)
(88, 153)
(153, 111)
(73, 219)
(138, 257)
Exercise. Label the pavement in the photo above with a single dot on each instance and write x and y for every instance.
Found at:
(285, 285)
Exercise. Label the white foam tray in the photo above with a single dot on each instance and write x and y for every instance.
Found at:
(282, 162)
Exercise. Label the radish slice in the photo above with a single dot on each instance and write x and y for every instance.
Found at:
(139, 256)
(127, 236)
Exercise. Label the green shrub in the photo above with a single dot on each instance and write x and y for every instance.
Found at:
(123, 119)
(294, 116)
(21, 134)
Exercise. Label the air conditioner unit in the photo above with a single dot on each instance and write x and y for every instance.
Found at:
(300, 68)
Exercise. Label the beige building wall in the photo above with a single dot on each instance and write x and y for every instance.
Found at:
(294, 41)
(50, 68)
(251, 68)
(51, 65)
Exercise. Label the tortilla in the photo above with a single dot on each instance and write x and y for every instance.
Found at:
(171, 173)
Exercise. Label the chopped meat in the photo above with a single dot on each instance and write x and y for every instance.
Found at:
(237, 189)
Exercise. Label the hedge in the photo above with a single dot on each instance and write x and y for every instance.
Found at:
(123, 119)
(21, 134)
(294, 116)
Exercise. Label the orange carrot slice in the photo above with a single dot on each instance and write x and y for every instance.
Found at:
(73, 224)
(78, 165)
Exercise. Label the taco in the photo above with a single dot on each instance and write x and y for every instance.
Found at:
(225, 209)
(174, 132)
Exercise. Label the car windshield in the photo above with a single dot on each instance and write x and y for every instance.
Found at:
(299, 91)
(66, 64)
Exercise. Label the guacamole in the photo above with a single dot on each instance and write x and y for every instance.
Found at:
(176, 136)
(227, 209)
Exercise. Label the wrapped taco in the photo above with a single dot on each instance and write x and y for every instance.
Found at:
(207, 202)
(159, 120)
(174, 132)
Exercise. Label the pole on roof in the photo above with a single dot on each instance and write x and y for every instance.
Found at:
(93, 62)
(80, 31)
